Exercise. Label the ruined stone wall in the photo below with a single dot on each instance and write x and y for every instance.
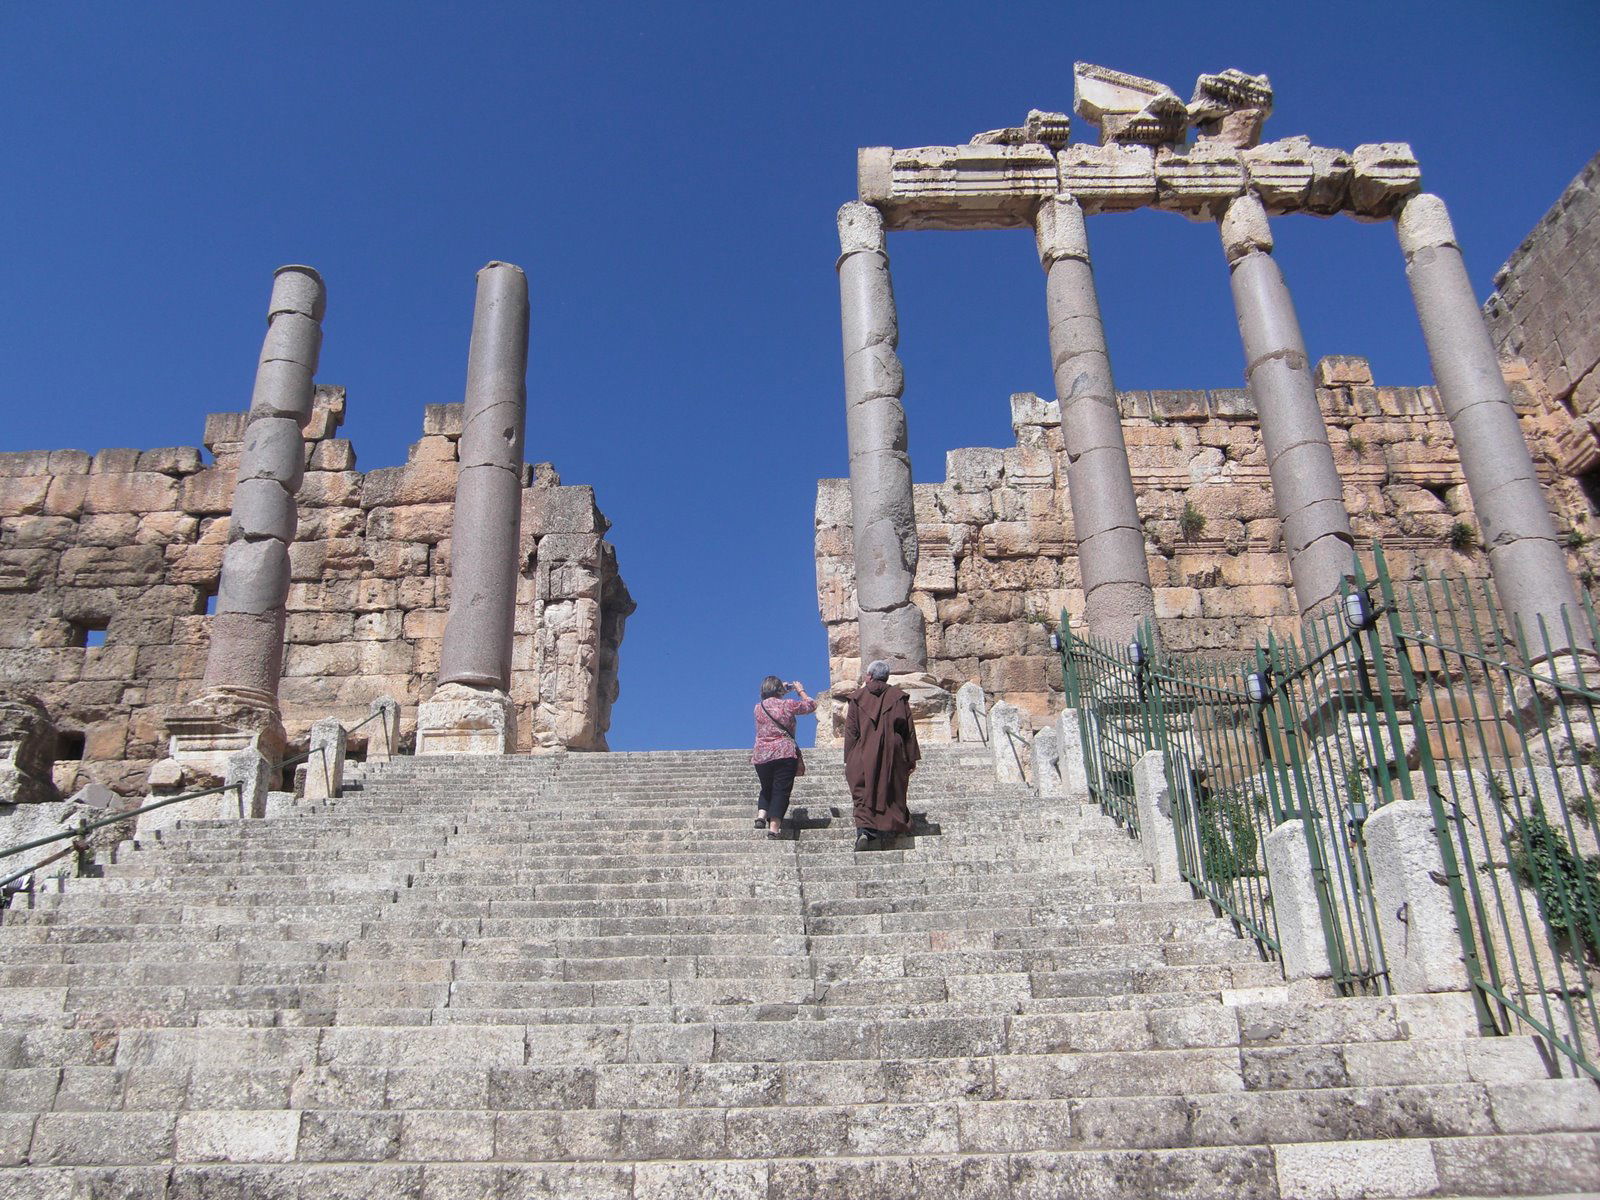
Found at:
(130, 542)
(1546, 309)
(998, 559)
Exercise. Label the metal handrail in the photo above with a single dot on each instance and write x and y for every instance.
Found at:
(91, 826)
(87, 827)
(123, 814)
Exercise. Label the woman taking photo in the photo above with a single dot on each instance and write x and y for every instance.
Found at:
(776, 757)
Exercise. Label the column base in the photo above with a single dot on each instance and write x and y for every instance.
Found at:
(460, 719)
(226, 735)
(202, 734)
(932, 708)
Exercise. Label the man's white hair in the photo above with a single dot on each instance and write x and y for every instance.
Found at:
(877, 669)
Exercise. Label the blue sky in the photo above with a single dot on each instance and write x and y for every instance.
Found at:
(668, 176)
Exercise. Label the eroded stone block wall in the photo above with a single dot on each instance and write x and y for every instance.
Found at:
(126, 545)
(1546, 309)
(998, 558)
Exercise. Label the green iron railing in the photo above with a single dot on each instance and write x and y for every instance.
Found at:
(1417, 691)
(1108, 691)
(1506, 736)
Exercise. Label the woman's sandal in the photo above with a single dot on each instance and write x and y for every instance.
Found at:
(761, 821)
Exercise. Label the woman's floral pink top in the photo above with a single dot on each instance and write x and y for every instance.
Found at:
(772, 739)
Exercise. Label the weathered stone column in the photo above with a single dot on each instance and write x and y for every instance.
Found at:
(246, 654)
(1305, 483)
(883, 517)
(238, 707)
(1105, 513)
(1529, 566)
(470, 712)
(882, 511)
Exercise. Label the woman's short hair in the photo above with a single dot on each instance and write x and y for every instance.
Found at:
(877, 669)
(772, 686)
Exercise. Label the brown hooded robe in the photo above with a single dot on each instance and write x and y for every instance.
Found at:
(880, 752)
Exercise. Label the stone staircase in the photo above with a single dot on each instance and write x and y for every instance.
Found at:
(589, 976)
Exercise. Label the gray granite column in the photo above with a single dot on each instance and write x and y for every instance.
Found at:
(1105, 514)
(485, 534)
(246, 654)
(470, 713)
(885, 523)
(1305, 483)
(1529, 566)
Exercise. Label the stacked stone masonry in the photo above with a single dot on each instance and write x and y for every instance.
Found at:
(130, 542)
(1546, 309)
(998, 556)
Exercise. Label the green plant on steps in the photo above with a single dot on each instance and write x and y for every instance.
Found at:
(1463, 538)
(1192, 523)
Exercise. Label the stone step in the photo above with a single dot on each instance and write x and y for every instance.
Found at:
(1493, 1165)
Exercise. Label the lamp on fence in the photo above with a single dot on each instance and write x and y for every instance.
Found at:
(1256, 685)
(1136, 652)
(1358, 611)
(1357, 818)
(1055, 642)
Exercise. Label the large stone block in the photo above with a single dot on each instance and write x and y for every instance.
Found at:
(459, 719)
(1158, 830)
(1416, 918)
(27, 749)
(209, 492)
(1295, 906)
(131, 492)
(1008, 743)
(957, 187)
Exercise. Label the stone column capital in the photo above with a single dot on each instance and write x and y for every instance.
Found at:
(1245, 229)
(861, 230)
(1059, 231)
(1423, 223)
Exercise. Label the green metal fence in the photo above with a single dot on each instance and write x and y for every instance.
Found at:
(1417, 691)
(1115, 719)
(1506, 736)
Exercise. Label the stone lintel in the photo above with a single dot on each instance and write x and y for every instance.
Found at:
(957, 187)
(990, 186)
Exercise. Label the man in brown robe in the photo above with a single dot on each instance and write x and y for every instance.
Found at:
(880, 752)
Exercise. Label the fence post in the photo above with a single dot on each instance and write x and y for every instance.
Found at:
(384, 743)
(1070, 754)
(250, 771)
(325, 767)
(1158, 836)
(1046, 756)
(1297, 903)
(1005, 741)
(971, 718)
(1296, 859)
(1454, 886)
(1411, 893)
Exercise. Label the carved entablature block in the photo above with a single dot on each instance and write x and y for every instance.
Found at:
(1109, 178)
(1053, 129)
(1384, 174)
(1292, 175)
(957, 187)
(1199, 181)
(1231, 107)
(1128, 108)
